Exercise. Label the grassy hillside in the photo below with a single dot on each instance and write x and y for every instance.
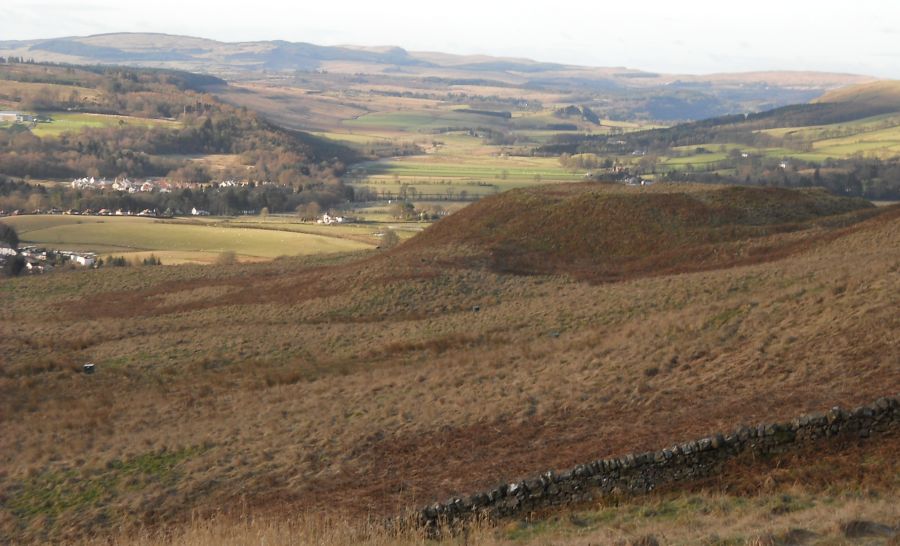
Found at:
(113, 122)
(847, 141)
(607, 231)
(885, 94)
(368, 383)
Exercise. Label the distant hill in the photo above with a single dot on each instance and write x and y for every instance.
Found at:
(609, 231)
(661, 96)
(883, 94)
(197, 53)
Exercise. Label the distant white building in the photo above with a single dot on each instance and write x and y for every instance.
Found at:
(84, 260)
(199, 212)
(10, 116)
(124, 185)
(328, 219)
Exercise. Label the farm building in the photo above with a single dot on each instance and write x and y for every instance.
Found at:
(10, 116)
(85, 260)
(328, 219)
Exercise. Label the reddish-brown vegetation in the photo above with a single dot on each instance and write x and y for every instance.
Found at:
(371, 383)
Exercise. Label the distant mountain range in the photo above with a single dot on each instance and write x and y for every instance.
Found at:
(235, 58)
(627, 93)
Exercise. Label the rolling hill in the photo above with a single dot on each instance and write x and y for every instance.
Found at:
(607, 232)
(657, 96)
(881, 94)
(363, 384)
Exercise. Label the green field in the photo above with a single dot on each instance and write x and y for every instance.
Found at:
(183, 239)
(66, 122)
(460, 162)
(457, 164)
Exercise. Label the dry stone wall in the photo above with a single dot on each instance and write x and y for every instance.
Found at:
(643, 472)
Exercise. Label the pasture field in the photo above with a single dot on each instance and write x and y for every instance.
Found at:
(877, 136)
(12, 88)
(485, 169)
(183, 237)
(372, 221)
(67, 122)
(819, 132)
(882, 143)
(458, 162)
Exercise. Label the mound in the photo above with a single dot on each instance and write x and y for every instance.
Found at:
(609, 232)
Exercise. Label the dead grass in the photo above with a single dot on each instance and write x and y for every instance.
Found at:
(775, 512)
(367, 384)
(605, 232)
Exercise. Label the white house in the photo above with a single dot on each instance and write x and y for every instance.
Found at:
(328, 219)
(198, 212)
(124, 185)
(84, 260)
(10, 116)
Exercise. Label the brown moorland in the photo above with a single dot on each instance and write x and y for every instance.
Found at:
(374, 382)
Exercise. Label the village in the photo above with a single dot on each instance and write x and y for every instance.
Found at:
(37, 260)
(156, 185)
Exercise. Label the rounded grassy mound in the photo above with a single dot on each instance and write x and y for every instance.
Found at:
(610, 231)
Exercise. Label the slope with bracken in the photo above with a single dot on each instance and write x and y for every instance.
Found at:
(607, 232)
(370, 383)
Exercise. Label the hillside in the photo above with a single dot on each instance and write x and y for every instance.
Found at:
(364, 384)
(111, 122)
(607, 232)
(847, 141)
(883, 94)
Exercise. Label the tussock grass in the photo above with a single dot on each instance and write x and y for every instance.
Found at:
(790, 515)
(610, 232)
(367, 383)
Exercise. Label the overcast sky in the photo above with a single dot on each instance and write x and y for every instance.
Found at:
(691, 36)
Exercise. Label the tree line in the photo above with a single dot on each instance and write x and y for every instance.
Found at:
(26, 197)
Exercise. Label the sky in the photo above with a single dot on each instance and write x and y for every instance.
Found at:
(688, 37)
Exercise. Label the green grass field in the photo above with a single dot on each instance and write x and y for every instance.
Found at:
(66, 122)
(183, 239)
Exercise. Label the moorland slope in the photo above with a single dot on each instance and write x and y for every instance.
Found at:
(607, 232)
(372, 382)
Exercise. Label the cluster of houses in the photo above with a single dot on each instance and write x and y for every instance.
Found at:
(153, 185)
(122, 185)
(152, 213)
(40, 260)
